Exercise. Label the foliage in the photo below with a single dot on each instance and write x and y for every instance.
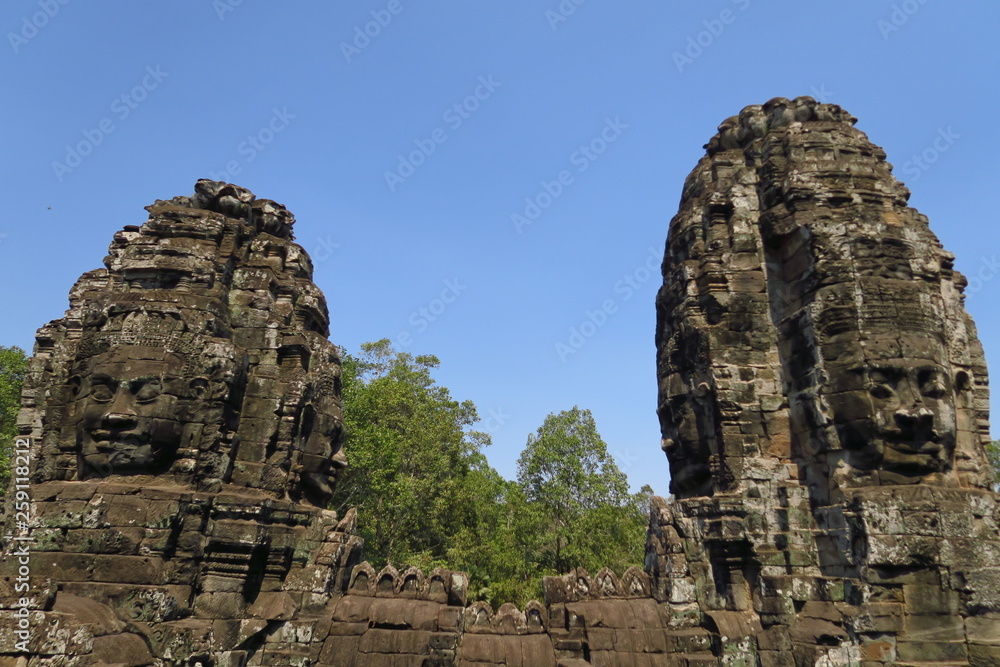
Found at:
(993, 455)
(413, 461)
(590, 519)
(496, 547)
(427, 496)
(13, 366)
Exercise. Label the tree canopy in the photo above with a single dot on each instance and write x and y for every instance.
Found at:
(993, 455)
(13, 366)
(414, 459)
(427, 496)
(590, 519)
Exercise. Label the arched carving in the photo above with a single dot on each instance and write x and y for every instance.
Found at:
(478, 617)
(635, 583)
(509, 620)
(536, 617)
(387, 582)
(606, 584)
(411, 584)
(438, 584)
(362, 580)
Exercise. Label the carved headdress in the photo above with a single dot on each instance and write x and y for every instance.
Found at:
(808, 315)
(193, 357)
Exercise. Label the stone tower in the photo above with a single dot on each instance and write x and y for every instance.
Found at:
(182, 424)
(823, 403)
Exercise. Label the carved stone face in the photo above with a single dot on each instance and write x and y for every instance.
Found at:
(125, 412)
(687, 432)
(322, 457)
(895, 408)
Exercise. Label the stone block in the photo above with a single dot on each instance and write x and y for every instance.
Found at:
(276, 606)
(934, 628)
(220, 605)
(122, 541)
(921, 599)
(480, 648)
(943, 652)
(449, 618)
(775, 638)
(412, 614)
(983, 629)
(342, 651)
(352, 609)
(601, 639)
(128, 569)
(127, 650)
(693, 640)
(63, 567)
(776, 659)
(878, 648)
(984, 585)
(68, 514)
(126, 511)
(395, 642)
(984, 656)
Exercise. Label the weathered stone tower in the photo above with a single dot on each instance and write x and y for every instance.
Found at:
(823, 403)
(183, 425)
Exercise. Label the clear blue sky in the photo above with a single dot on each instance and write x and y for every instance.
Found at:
(161, 94)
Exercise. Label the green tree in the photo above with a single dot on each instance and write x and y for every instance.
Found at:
(993, 454)
(590, 518)
(415, 465)
(496, 544)
(427, 496)
(13, 366)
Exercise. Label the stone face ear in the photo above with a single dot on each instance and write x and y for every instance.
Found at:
(199, 386)
(963, 382)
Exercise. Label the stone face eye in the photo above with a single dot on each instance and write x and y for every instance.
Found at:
(934, 389)
(148, 390)
(932, 384)
(882, 382)
(102, 392)
(881, 390)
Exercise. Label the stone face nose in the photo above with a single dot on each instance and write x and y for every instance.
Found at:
(118, 420)
(340, 459)
(913, 420)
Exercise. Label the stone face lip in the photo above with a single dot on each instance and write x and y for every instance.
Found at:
(822, 398)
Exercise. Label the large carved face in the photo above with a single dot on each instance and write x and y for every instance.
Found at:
(893, 403)
(126, 410)
(688, 435)
(322, 457)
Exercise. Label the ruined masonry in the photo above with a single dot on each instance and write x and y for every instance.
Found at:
(823, 401)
